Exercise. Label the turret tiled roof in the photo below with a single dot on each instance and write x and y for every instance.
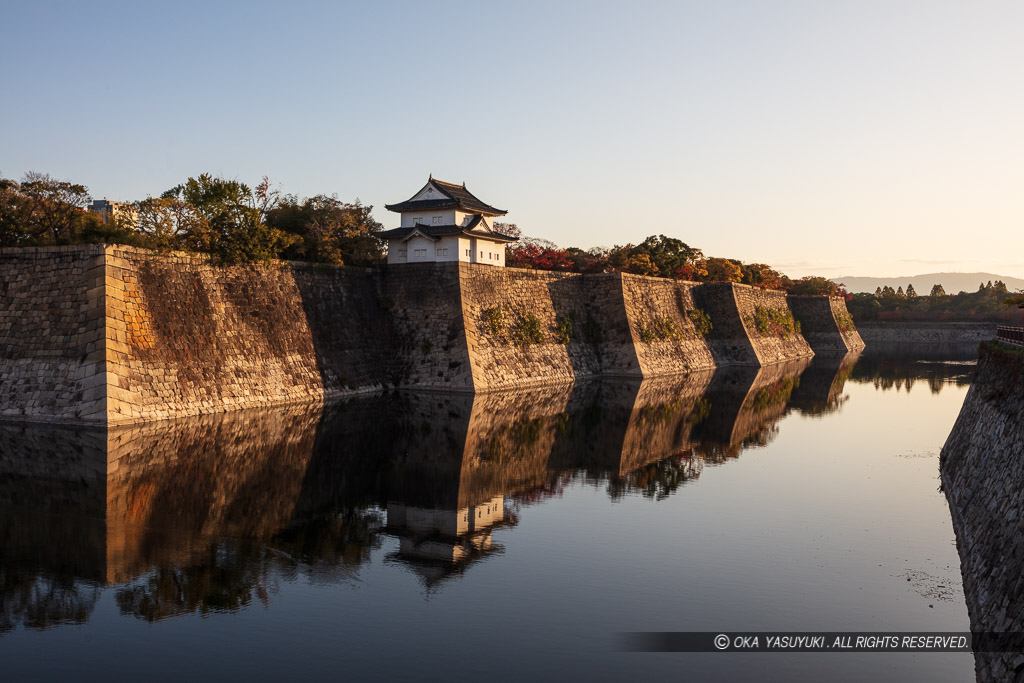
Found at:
(454, 197)
(471, 229)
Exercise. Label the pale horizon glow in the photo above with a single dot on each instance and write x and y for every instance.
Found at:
(837, 139)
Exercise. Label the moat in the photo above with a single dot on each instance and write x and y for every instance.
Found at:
(424, 536)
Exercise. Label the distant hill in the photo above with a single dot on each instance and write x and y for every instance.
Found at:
(951, 282)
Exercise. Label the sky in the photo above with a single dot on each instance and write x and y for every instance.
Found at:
(831, 138)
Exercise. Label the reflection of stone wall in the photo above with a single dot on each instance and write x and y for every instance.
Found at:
(188, 510)
(821, 385)
(984, 484)
(171, 487)
(183, 337)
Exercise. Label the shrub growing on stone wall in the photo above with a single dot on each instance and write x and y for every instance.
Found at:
(564, 328)
(661, 328)
(526, 330)
(772, 321)
(494, 319)
(845, 322)
(701, 321)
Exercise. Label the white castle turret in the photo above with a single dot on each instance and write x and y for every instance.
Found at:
(446, 222)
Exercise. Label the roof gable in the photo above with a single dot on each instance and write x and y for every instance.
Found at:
(437, 194)
(429, 192)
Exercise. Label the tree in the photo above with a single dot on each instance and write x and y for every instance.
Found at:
(761, 275)
(14, 229)
(52, 210)
(541, 255)
(236, 216)
(911, 292)
(816, 285)
(170, 222)
(510, 229)
(328, 230)
(641, 264)
(900, 294)
(671, 257)
(937, 290)
(723, 270)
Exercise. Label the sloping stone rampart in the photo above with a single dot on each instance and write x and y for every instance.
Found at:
(983, 480)
(663, 332)
(51, 334)
(827, 326)
(772, 346)
(116, 334)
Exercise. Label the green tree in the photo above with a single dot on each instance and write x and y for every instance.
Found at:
(816, 285)
(672, 257)
(236, 216)
(52, 210)
(641, 264)
(937, 290)
(911, 292)
(762, 275)
(170, 222)
(328, 230)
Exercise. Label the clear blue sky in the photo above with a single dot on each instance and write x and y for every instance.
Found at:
(840, 138)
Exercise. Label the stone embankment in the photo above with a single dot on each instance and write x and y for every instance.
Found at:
(112, 334)
(983, 480)
(925, 332)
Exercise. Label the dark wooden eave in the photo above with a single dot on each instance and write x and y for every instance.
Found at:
(455, 197)
(438, 231)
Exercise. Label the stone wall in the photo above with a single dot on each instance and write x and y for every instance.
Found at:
(51, 334)
(827, 325)
(185, 337)
(529, 327)
(663, 331)
(773, 346)
(116, 334)
(983, 480)
(925, 333)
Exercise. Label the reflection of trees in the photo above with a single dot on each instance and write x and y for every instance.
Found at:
(210, 515)
(235, 571)
(775, 394)
(225, 582)
(902, 374)
(39, 602)
(658, 480)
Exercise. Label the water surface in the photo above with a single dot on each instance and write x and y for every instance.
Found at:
(433, 536)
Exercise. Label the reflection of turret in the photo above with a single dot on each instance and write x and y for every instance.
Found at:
(439, 543)
(198, 514)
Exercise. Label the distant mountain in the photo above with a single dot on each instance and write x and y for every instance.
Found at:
(951, 282)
